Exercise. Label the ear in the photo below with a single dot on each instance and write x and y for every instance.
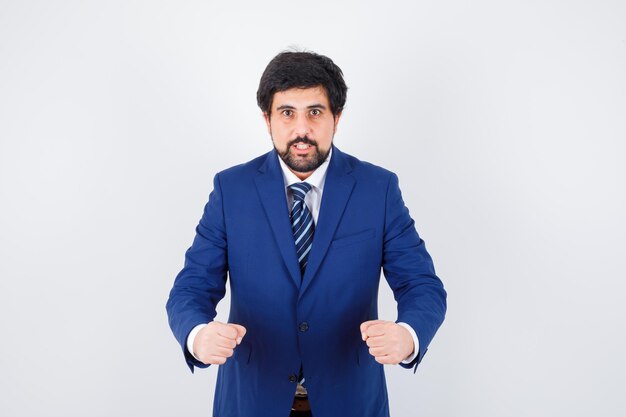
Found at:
(267, 122)
(336, 118)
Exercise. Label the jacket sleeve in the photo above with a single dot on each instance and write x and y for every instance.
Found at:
(409, 270)
(201, 284)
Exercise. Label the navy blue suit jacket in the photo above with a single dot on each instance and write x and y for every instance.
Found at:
(314, 320)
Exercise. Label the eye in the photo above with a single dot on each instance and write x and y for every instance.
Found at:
(287, 112)
(316, 112)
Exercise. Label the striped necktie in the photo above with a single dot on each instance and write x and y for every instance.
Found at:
(301, 223)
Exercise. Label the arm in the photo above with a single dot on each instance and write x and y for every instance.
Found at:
(201, 284)
(409, 270)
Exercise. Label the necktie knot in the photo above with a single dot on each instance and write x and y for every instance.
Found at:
(299, 190)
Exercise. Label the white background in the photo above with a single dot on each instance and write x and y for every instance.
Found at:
(504, 120)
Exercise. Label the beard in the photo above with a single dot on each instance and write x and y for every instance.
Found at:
(297, 163)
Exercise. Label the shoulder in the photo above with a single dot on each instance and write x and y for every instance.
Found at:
(240, 172)
(366, 170)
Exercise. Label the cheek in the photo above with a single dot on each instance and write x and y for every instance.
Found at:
(328, 131)
(280, 135)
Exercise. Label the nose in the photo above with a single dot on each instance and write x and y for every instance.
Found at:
(302, 127)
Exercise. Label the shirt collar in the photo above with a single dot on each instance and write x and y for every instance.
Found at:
(316, 179)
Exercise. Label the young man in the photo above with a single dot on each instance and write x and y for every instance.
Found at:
(303, 232)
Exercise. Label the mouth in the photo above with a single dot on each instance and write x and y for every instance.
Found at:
(302, 147)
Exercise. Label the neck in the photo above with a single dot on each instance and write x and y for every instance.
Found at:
(301, 175)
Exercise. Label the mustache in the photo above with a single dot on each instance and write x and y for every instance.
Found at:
(304, 139)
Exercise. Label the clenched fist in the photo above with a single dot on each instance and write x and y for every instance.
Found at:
(388, 342)
(217, 341)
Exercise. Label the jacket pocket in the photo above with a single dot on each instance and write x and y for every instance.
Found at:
(363, 356)
(243, 352)
(353, 238)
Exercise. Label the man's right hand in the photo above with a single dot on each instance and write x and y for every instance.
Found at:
(216, 342)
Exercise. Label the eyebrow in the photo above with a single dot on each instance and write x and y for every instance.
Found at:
(312, 106)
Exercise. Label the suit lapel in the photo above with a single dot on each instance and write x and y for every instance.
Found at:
(337, 189)
(271, 188)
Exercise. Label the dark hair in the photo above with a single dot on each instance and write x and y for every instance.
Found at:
(302, 70)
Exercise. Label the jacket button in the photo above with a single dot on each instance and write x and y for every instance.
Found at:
(304, 326)
(293, 378)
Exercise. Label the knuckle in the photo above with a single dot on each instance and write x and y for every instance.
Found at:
(217, 360)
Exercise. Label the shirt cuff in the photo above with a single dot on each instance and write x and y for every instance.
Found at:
(192, 336)
(416, 343)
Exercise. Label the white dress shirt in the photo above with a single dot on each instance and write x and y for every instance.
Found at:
(313, 201)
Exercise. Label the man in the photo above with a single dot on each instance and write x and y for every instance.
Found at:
(303, 232)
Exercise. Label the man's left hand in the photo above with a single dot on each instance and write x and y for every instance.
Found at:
(389, 343)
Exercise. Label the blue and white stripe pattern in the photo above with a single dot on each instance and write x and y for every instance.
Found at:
(301, 223)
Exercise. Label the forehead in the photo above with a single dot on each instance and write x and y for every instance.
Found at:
(301, 96)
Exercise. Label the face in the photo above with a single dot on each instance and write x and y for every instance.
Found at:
(302, 127)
